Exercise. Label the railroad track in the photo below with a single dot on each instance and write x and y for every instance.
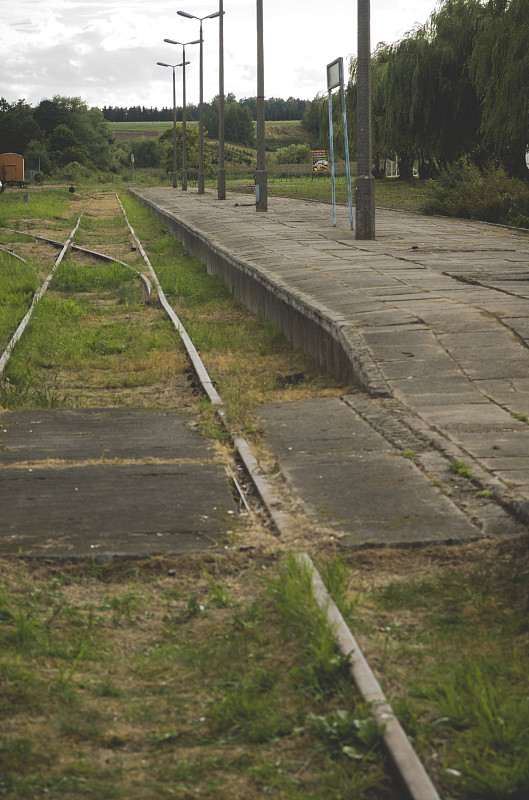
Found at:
(413, 777)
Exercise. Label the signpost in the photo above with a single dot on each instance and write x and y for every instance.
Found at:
(334, 81)
(132, 162)
(320, 162)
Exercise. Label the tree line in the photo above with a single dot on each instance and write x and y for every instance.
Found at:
(276, 109)
(456, 88)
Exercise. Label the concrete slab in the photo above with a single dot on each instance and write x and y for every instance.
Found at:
(351, 480)
(109, 433)
(66, 492)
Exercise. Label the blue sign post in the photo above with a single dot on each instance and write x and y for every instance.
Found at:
(335, 80)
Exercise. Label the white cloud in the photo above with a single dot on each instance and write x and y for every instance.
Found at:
(106, 52)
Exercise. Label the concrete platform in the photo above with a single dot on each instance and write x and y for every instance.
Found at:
(107, 483)
(353, 481)
(432, 314)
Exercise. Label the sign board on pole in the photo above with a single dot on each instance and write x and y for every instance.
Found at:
(320, 161)
(334, 74)
(334, 81)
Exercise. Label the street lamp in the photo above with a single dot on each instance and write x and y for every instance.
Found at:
(173, 67)
(201, 113)
(184, 129)
(221, 182)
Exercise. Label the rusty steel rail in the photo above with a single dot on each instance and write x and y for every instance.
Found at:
(10, 253)
(408, 766)
(414, 777)
(6, 355)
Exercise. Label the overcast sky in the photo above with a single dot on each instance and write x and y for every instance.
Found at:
(105, 51)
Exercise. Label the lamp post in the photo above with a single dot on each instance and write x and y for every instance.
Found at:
(365, 182)
(184, 129)
(173, 67)
(221, 183)
(201, 112)
(261, 188)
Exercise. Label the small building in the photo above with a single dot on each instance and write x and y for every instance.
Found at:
(12, 169)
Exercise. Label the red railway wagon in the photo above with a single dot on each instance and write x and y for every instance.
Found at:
(12, 169)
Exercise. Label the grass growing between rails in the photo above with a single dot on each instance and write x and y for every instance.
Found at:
(90, 341)
(94, 341)
(18, 284)
(193, 679)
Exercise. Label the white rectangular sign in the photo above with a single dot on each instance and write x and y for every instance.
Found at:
(334, 74)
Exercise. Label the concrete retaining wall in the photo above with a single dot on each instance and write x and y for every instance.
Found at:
(330, 340)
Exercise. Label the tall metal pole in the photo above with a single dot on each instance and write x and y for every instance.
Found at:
(184, 139)
(346, 141)
(331, 145)
(365, 182)
(222, 171)
(175, 177)
(201, 119)
(184, 129)
(261, 188)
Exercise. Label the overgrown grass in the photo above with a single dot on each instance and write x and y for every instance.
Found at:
(92, 340)
(46, 204)
(409, 195)
(18, 284)
(452, 648)
(221, 676)
(126, 682)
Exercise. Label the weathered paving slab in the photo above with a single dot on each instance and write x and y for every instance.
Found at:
(351, 480)
(107, 483)
(106, 433)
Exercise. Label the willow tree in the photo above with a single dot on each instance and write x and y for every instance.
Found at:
(454, 113)
(407, 82)
(433, 112)
(499, 66)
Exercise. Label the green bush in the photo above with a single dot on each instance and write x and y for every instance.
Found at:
(465, 191)
(294, 154)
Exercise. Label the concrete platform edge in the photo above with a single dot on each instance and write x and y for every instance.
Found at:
(334, 343)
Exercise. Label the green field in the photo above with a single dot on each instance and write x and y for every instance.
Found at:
(278, 134)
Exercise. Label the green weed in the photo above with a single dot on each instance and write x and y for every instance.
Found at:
(460, 468)
(219, 595)
(342, 733)
(323, 666)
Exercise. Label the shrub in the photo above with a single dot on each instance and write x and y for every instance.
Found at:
(294, 154)
(465, 191)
